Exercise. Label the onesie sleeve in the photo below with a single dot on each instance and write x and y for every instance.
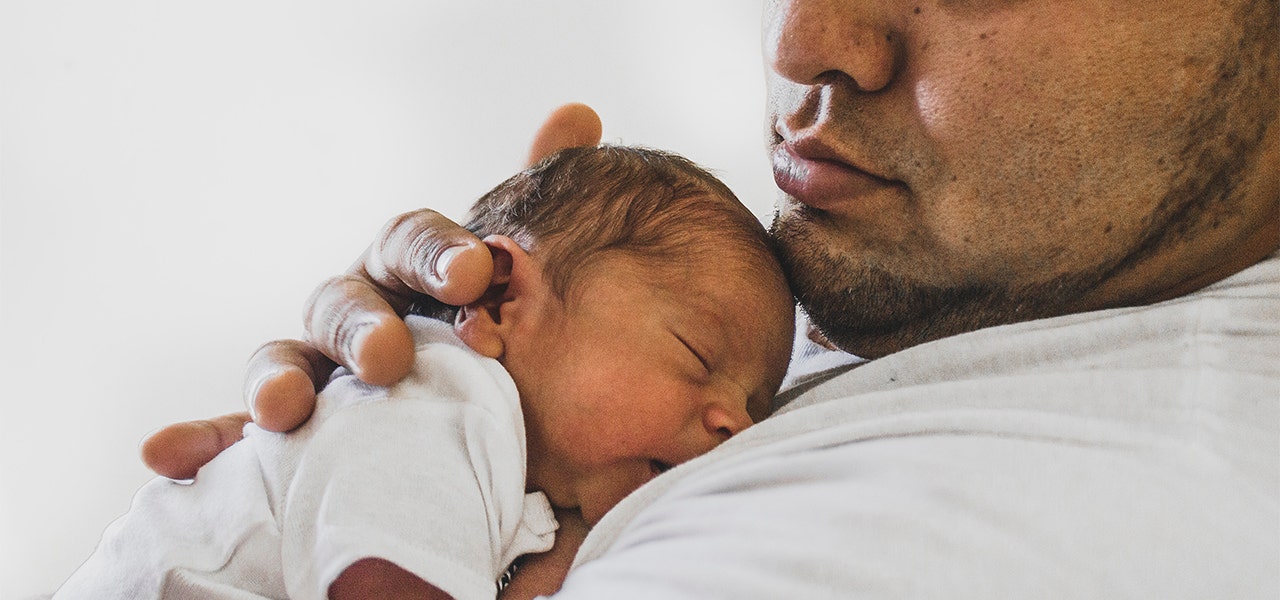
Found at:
(428, 475)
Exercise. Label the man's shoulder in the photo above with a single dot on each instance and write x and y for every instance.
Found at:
(1022, 516)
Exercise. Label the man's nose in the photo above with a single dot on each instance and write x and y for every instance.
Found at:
(816, 41)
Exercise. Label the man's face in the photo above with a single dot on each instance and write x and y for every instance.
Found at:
(952, 165)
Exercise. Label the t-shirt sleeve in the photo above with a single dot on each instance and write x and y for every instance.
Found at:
(430, 477)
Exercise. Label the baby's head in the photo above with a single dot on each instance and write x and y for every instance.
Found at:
(640, 310)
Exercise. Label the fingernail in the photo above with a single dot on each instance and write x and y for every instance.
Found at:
(255, 388)
(252, 396)
(356, 340)
(442, 261)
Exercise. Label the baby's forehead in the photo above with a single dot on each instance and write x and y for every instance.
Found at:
(703, 258)
(711, 281)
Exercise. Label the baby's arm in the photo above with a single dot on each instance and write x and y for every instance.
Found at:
(539, 574)
(413, 480)
(375, 579)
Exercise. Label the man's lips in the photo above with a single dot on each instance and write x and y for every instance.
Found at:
(812, 173)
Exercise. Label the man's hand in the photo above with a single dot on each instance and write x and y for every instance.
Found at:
(356, 319)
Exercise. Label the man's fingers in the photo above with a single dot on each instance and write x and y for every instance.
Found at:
(423, 252)
(569, 126)
(178, 451)
(281, 384)
(349, 320)
(356, 319)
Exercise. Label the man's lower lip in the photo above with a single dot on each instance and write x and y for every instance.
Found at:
(821, 184)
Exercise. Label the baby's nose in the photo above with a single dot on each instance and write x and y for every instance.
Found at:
(724, 420)
(719, 422)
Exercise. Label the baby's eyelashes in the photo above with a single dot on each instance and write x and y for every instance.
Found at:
(701, 357)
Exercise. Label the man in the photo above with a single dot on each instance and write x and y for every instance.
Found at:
(1051, 224)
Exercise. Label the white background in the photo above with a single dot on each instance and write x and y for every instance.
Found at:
(175, 176)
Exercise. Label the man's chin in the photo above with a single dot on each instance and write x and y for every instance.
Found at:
(861, 309)
(872, 311)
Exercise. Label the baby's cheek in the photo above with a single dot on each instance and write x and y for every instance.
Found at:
(612, 489)
(605, 441)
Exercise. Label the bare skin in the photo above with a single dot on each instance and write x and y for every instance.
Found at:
(1004, 184)
(542, 574)
(353, 319)
(377, 579)
(978, 162)
(949, 166)
(281, 375)
(538, 575)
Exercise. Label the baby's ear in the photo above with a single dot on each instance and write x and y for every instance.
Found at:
(484, 325)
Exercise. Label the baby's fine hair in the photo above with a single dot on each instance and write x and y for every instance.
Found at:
(583, 204)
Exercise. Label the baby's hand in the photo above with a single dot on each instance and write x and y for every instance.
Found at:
(543, 574)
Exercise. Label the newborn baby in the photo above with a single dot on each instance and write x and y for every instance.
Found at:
(636, 319)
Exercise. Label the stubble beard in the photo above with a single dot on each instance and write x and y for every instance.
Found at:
(871, 311)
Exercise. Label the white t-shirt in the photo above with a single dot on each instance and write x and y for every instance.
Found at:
(428, 474)
(1127, 453)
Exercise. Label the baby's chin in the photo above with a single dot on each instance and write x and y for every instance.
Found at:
(593, 510)
(593, 514)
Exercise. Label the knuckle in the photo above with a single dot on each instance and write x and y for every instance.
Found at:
(410, 244)
(328, 312)
(322, 299)
(273, 349)
(407, 227)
